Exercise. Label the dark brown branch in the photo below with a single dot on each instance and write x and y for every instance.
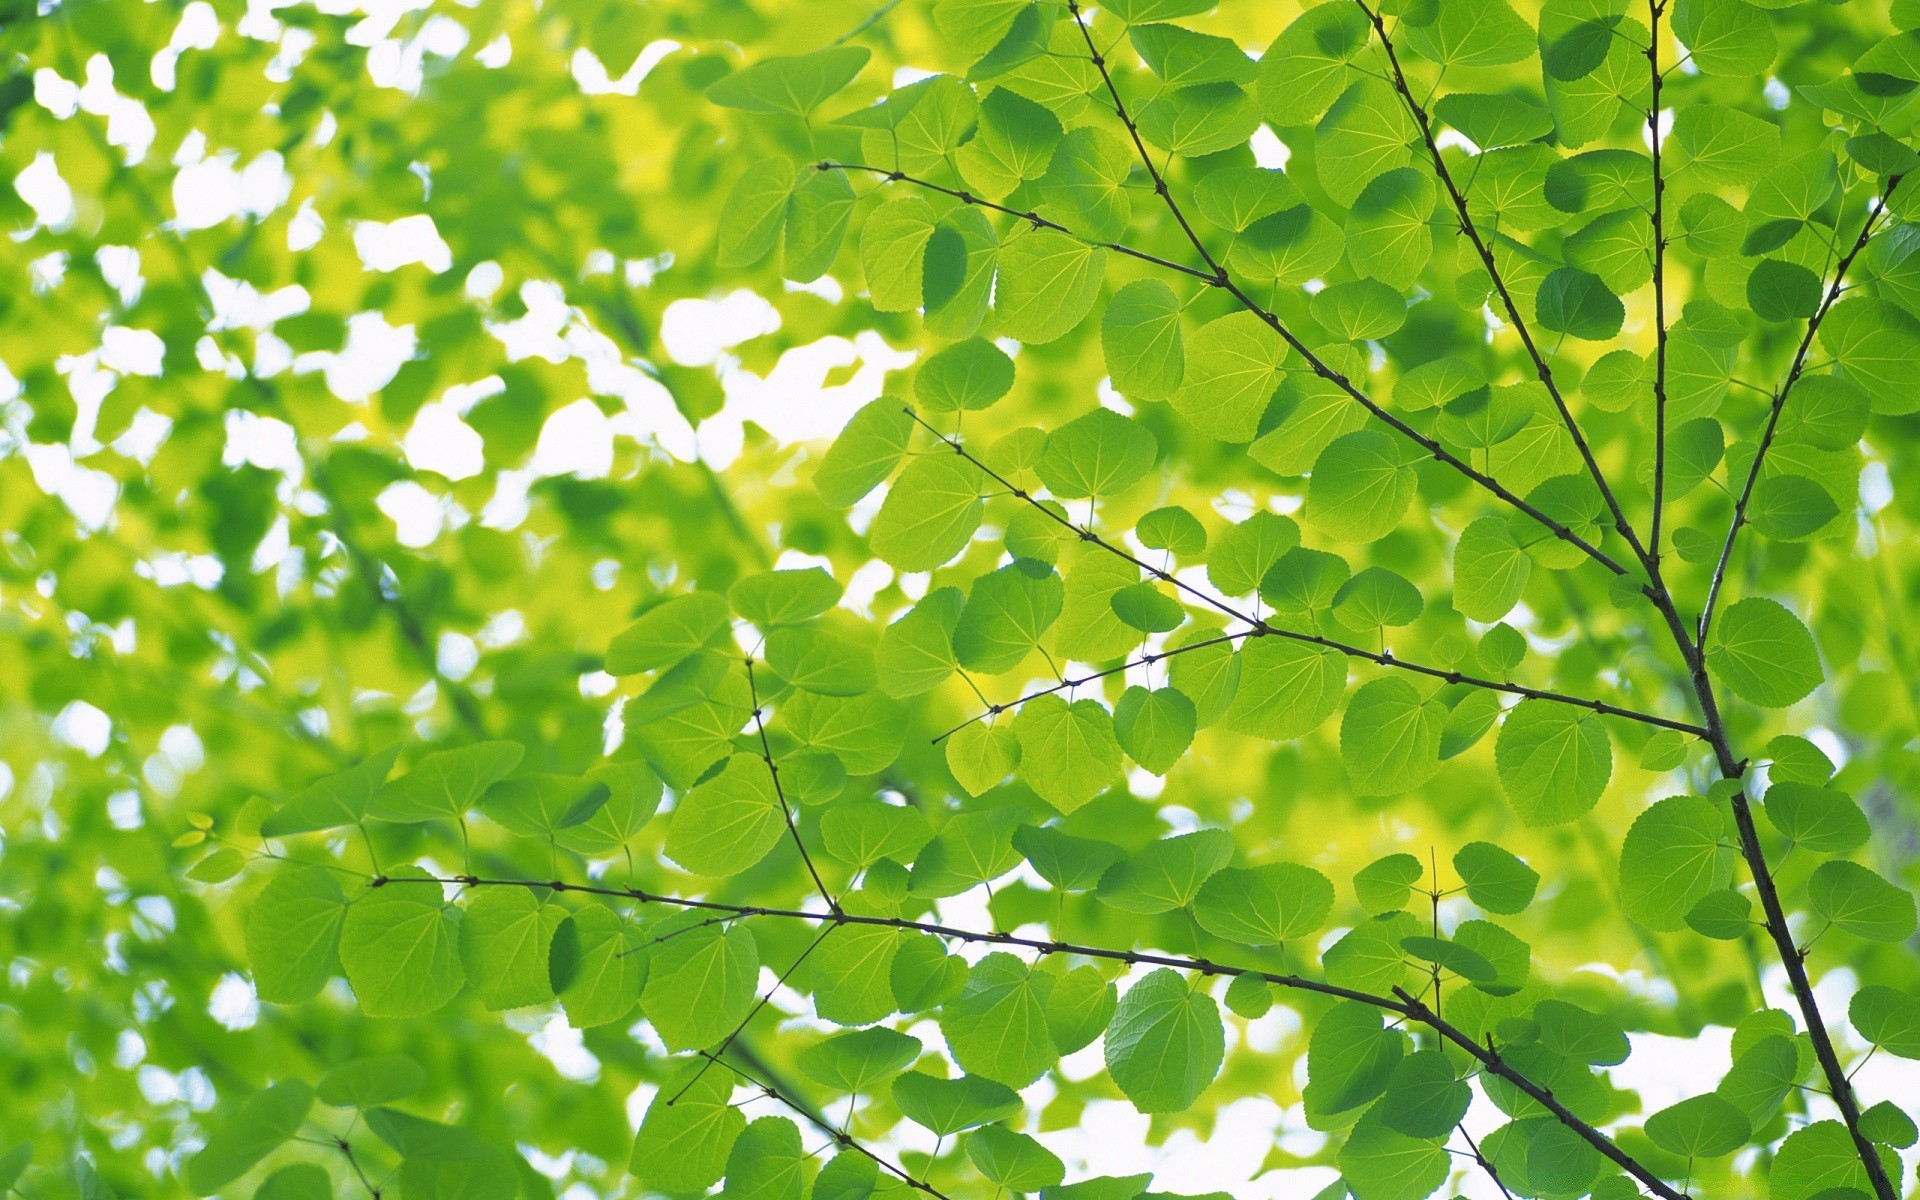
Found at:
(1780, 403)
(1263, 628)
(1029, 216)
(1401, 1004)
(773, 772)
(1654, 8)
(839, 1138)
(1467, 227)
(1217, 275)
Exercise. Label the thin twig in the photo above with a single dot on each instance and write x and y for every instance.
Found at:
(1401, 1005)
(1263, 628)
(1467, 227)
(1654, 8)
(838, 1136)
(1780, 403)
(773, 771)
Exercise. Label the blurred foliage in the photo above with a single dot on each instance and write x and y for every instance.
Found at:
(436, 436)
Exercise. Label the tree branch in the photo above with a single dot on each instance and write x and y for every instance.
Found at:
(1262, 628)
(773, 772)
(844, 1140)
(1779, 404)
(1400, 1004)
(1472, 232)
(1654, 8)
(1218, 277)
(1030, 216)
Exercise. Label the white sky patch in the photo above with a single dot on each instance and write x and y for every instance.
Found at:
(84, 727)
(594, 79)
(440, 441)
(563, 1046)
(794, 403)
(417, 514)
(199, 29)
(390, 245)
(1268, 150)
(368, 362)
(576, 440)
(233, 1002)
(128, 124)
(695, 331)
(132, 351)
(45, 192)
(88, 494)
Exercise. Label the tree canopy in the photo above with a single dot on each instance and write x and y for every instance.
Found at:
(843, 598)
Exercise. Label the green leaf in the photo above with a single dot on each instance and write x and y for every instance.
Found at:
(541, 805)
(1387, 230)
(982, 756)
(670, 631)
(948, 1106)
(1555, 761)
(929, 514)
(1819, 1161)
(1359, 309)
(1235, 197)
(1764, 654)
(1286, 688)
(848, 1175)
(1165, 1044)
(1364, 135)
(1790, 508)
(1013, 1161)
(893, 252)
(400, 947)
(1232, 368)
(963, 377)
(1461, 960)
(1048, 283)
(818, 213)
(1068, 752)
(700, 984)
(1496, 880)
(1264, 905)
(1725, 37)
(1474, 33)
(1098, 454)
(860, 459)
(1424, 1099)
(916, 652)
(1675, 853)
(367, 1082)
(766, 1162)
(1725, 147)
(683, 1144)
(1821, 819)
(996, 1027)
(633, 795)
(1350, 1058)
(854, 1062)
(1072, 864)
(1888, 1018)
(1359, 488)
(1577, 303)
(1573, 1032)
(1725, 915)
(1489, 570)
(1305, 69)
(1387, 883)
(1181, 57)
(1006, 613)
(293, 934)
(1140, 334)
(446, 784)
(1248, 550)
(1167, 874)
(755, 213)
(1154, 727)
(1782, 291)
(1492, 121)
(267, 1120)
(504, 939)
(341, 798)
(728, 823)
(1381, 1163)
(1390, 738)
(300, 1181)
(795, 85)
(1861, 902)
(853, 974)
(1704, 1126)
